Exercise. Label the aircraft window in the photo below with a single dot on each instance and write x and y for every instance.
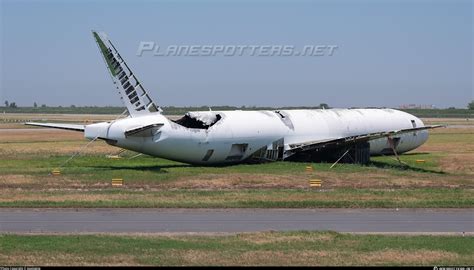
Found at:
(130, 89)
(413, 123)
(132, 95)
(126, 85)
(121, 75)
(134, 100)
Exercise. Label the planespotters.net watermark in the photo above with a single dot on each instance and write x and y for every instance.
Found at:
(153, 49)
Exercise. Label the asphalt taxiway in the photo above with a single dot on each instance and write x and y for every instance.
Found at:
(412, 221)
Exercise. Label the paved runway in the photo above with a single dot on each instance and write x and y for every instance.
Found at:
(235, 220)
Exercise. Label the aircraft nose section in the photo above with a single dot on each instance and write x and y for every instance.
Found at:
(98, 130)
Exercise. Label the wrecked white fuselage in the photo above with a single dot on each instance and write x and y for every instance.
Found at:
(237, 136)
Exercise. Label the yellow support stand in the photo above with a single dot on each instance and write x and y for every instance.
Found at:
(420, 161)
(117, 182)
(309, 168)
(56, 172)
(315, 183)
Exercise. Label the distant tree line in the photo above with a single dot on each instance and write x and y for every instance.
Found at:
(35, 105)
(175, 110)
(10, 105)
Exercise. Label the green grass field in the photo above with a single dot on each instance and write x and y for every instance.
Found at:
(444, 178)
(152, 182)
(270, 248)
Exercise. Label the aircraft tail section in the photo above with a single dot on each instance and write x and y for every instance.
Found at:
(132, 93)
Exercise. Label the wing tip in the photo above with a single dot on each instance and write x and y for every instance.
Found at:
(72, 127)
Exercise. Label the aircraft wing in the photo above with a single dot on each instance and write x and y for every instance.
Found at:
(60, 126)
(308, 146)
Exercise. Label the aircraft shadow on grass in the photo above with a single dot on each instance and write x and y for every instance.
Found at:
(378, 164)
(402, 167)
(151, 168)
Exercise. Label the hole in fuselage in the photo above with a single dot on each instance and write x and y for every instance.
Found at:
(198, 120)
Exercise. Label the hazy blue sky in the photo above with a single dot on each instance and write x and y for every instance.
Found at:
(390, 52)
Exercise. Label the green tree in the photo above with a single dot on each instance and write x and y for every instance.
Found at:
(471, 105)
(6, 103)
(323, 106)
(13, 105)
(35, 105)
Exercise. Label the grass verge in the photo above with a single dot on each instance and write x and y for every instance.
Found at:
(268, 248)
(264, 198)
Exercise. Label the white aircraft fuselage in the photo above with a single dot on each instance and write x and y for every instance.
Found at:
(254, 130)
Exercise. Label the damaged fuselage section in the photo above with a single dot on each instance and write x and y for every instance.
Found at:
(357, 153)
(226, 137)
(200, 120)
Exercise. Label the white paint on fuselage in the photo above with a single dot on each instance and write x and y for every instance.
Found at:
(258, 129)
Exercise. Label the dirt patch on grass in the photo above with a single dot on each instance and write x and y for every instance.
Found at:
(238, 181)
(308, 257)
(312, 257)
(7, 181)
(329, 180)
(51, 196)
(448, 121)
(271, 238)
(305, 257)
(60, 258)
(247, 258)
(4, 125)
(446, 148)
(39, 135)
(47, 141)
(414, 257)
(458, 163)
(236, 257)
(44, 182)
(55, 148)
